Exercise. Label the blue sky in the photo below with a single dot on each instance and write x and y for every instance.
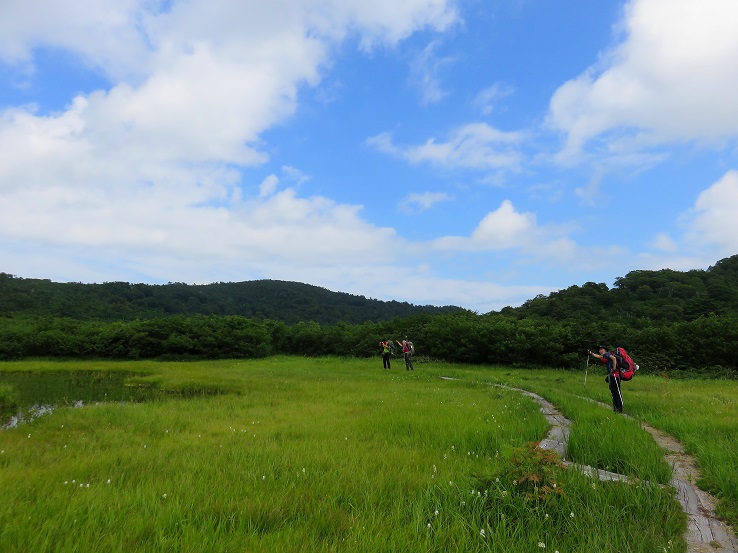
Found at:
(470, 152)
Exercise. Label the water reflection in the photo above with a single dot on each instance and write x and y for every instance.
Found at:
(35, 393)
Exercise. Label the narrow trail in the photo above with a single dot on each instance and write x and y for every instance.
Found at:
(705, 532)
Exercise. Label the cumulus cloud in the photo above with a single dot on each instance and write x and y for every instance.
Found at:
(672, 78)
(714, 222)
(709, 231)
(210, 77)
(150, 167)
(472, 146)
(504, 227)
(107, 36)
(501, 229)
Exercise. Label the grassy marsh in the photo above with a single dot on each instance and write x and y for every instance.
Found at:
(294, 454)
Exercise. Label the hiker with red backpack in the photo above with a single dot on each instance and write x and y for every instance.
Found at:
(620, 367)
(407, 350)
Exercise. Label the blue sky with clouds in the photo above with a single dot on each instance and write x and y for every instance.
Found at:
(467, 152)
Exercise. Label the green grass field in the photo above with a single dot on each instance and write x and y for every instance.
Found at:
(296, 454)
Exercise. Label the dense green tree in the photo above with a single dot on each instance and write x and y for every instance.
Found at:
(669, 321)
(290, 302)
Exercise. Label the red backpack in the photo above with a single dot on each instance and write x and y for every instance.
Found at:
(625, 365)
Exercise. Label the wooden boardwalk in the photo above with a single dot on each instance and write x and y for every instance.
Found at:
(705, 532)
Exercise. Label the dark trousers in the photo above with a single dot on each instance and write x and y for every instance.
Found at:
(386, 360)
(408, 362)
(617, 398)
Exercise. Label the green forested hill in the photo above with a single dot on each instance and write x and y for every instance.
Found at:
(664, 296)
(668, 320)
(660, 296)
(290, 302)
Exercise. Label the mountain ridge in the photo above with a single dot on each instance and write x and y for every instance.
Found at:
(287, 301)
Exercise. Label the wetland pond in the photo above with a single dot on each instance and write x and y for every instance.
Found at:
(26, 395)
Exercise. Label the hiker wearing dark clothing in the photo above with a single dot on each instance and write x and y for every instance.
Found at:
(407, 352)
(613, 376)
(386, 351)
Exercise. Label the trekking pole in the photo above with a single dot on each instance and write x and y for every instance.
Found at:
(586, 370)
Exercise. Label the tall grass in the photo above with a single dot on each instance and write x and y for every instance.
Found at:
(8, 401)
(702, 414)
(311, 455)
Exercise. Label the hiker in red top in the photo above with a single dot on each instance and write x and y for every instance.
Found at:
(613, 376)
(407, 351)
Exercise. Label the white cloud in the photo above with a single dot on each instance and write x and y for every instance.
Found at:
(152, 163)
(418, 202)
(501, 229)
(714, 223)
(201, 81)
(665, 243)
(295, 175)
(673, 78)
(114, 227)
(472, 146)
(710, 231)
(485, 296)
(589, 193)
(105, 35)
(486, 100)
(425, 69)
(504, 227)
(268, 186)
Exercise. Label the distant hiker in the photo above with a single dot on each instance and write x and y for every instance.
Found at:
(613, 376)
(386, 351)
(407, 351)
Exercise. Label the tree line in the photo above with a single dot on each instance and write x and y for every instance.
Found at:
(706, 344)
(669, 321)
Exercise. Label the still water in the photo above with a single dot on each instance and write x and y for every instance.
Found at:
(37, 393)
